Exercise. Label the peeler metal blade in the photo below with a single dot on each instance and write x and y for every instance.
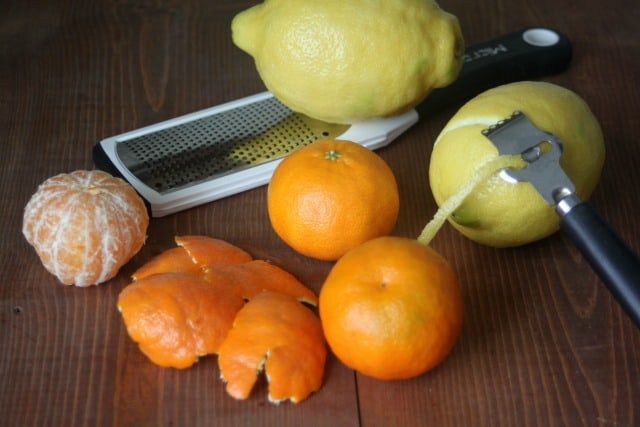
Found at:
(541, 150)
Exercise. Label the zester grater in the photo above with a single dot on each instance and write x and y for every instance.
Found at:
(223, 150)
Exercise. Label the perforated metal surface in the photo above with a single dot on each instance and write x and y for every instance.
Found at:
(220, 144)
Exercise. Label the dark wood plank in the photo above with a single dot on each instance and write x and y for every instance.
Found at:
(543, 342)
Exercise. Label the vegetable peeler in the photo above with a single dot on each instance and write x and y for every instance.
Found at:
(610, 257)
(222, 150)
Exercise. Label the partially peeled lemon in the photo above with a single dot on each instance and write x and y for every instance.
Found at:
(500, 213)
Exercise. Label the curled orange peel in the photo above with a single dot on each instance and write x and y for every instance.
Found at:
(174, 260)
(277, 333)
(190, 301)
(175, 317)
(210, 253)
(251, 278)
(194, 255)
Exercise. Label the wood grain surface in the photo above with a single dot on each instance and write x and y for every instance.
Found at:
(544, 343)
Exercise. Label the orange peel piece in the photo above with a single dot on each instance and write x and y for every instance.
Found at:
(210, 253)
(175, 317)
(174, 260)
(251, 278)
(193, 255)
(276, 333)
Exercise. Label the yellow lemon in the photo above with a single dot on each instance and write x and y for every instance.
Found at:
(344, 61)
(499, 213)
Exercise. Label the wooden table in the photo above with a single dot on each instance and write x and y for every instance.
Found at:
(544, 344)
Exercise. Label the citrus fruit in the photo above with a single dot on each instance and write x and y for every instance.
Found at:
(85, 225)
(330, 196)
(500, 213)
(175, 317)
(276, 333)
(391, 308)
(344, 61)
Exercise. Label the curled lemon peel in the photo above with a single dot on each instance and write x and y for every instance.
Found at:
(484, 171)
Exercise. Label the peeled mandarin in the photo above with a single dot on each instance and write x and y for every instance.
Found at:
(85, 225)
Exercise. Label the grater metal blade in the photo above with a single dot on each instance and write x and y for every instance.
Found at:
(216, 145)
(223, 150)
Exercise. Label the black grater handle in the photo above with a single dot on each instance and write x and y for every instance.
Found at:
(102, 161)
(525, 54)
(609, 256)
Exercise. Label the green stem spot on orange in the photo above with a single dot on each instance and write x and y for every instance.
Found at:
(332, 155)
(482, 172)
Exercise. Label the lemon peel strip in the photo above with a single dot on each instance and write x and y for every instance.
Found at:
(483, 171)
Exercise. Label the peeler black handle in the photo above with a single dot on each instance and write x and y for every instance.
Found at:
(610, 257)
(525, 54)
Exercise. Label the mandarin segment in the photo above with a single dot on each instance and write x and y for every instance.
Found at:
(85, 225)
(211, 253)
(275, 332)
(251, 278)
(175, 318)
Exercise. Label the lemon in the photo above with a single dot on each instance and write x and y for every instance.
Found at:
(500, 213)
(345, 61)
